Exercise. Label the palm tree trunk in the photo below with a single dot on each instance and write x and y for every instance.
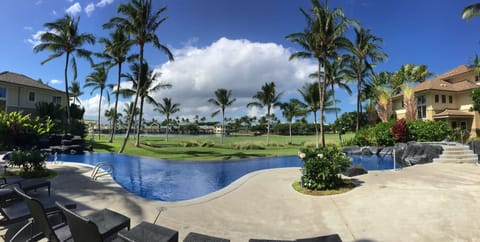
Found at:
(99, 108)
(290, 130)
(321, 86)
(114, 125)
(69, 122)
(137, 143)
(127, 135)
(168, 126)
(223, 124)
(359, 104)
(335, 108)
(317, 139)
(268, 124)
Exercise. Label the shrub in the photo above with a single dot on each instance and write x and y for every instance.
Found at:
(248, 146)
(362, 138)
(322, 167)
(420, 130)
(30, 161)
(380, 134)
(399, 130)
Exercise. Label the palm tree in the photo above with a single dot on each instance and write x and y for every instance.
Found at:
(322, 39)
(97, 80)
(268, 98)
(63, 37)
(141, 23)
(291, 110)
(115, 53)
(167, 108)
(311, 98)
(222, 100)
(409, 73)
(336, 76)
(142, 88)
(75, 91)
(365, 53)
(471, 11)
(109, 114)
(129, 109)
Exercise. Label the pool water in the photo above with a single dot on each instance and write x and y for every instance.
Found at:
(168, 180)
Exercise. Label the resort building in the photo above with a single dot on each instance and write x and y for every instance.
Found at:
(446, 97)
(21, 93)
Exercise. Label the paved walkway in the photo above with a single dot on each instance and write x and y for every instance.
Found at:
(433, 202)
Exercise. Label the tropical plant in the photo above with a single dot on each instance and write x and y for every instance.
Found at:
(311, 98)
(63, 37)
(475, 95)
(32, 161)
(293, 108)
(145, 85)
(97, 80)
(139, 21)
(322, 168)
(167, 108)
(222, 100)
(365, 52)
(19, 130)
(268, 98)
(75, 91)
(409, 102)
(112, 117)
(409, 74)
(115, 53)
(399, 130)
(322, 39)
(384, 102)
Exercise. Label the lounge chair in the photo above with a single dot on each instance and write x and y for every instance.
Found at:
(43, 220)
(25, 184)
(148, 232)
(324, 238)
(98, 226)
(17, 210)
(196, 237)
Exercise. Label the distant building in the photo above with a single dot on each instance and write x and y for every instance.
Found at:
(21, 93)
(446, 97)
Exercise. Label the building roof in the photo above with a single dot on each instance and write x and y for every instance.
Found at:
(19, 79)
(448, 113)
(441, 82)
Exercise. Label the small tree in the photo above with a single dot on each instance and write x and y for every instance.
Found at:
(322, 168)
(475, 95)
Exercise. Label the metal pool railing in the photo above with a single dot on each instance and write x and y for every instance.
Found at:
(101, 169)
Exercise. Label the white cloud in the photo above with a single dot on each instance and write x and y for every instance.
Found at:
(54, 82)
(75, 9)
(103, 3)
(54, 12)
(240, 65)
(27, 28)
(89, 9)
(35, 38)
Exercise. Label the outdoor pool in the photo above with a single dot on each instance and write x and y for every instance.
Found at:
(168, 180)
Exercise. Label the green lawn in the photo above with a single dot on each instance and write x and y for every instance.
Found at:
(210, 147)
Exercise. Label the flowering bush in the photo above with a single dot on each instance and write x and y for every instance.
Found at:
(30, 161)
(322, 168)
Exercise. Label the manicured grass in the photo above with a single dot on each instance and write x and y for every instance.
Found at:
(209, 147)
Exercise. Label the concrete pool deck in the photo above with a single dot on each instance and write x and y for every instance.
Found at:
(431, 202)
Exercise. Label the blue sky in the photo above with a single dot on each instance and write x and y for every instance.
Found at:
(239, 45)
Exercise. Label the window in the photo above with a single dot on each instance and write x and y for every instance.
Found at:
(57, 100)
(454, 124)
(450, 99)
(437, 98)
(421, 107)
(3, 98)
(444, 99)
(31, 96)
